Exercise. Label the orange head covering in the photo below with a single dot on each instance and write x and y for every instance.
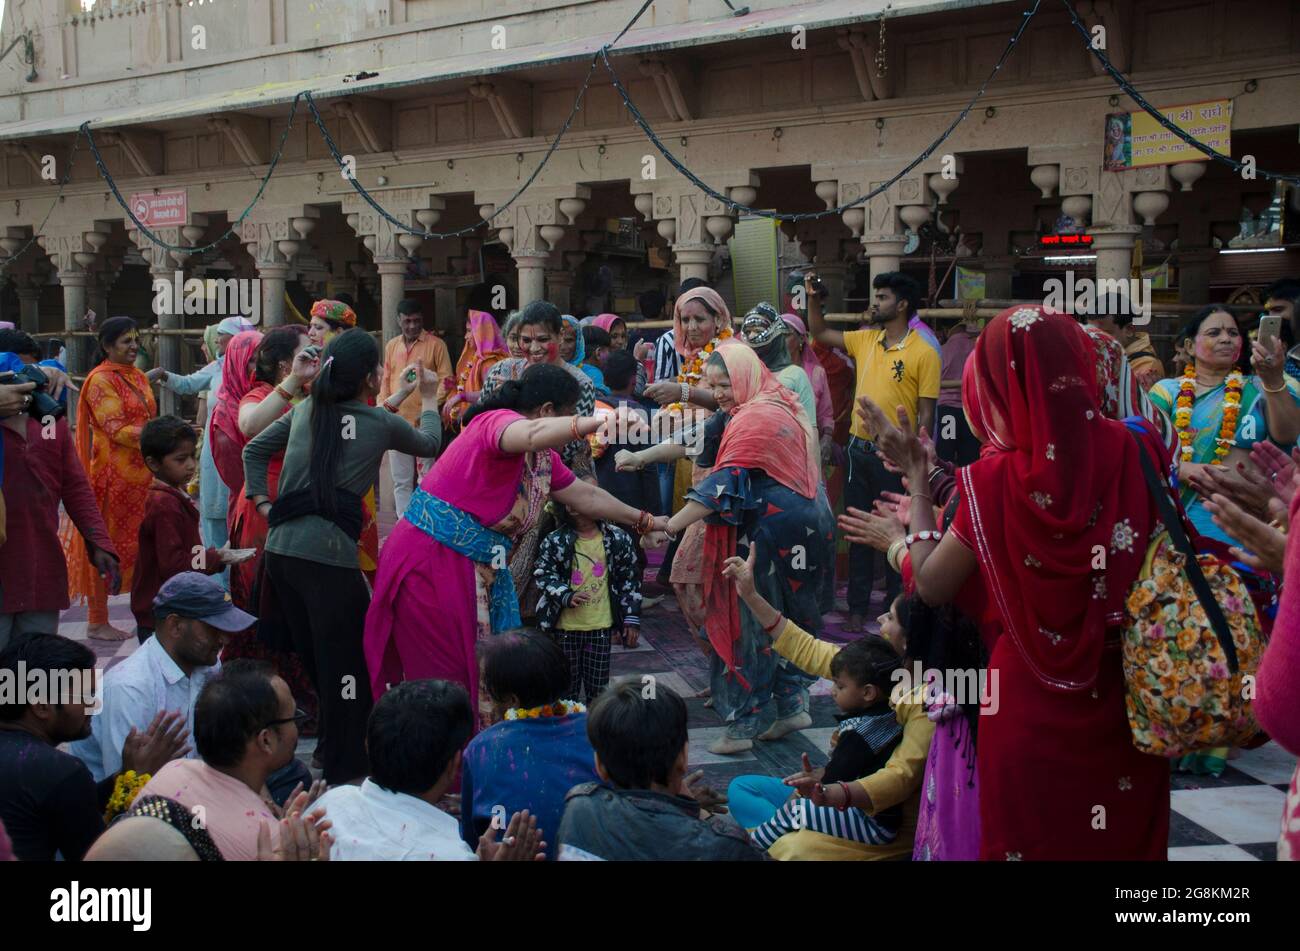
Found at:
(334, 312)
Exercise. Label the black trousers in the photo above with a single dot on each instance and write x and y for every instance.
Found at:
(867, 479)
(954, 442)
(324, 608)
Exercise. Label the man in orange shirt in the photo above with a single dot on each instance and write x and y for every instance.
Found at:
(415, 345)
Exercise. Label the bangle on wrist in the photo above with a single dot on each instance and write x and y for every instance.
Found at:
(780, 620)
(895, 554)
(923, 495)
(573, 429)
(848, 796)
(284, 394)
(1268, 389)
(924, 536)
(686, 392)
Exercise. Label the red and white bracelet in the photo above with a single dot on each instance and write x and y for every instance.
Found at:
(925, 536)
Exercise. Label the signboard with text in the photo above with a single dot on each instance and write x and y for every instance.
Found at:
(162, 209)
(1135, 139)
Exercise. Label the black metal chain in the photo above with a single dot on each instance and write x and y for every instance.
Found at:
(1122, 81)
(640, 120)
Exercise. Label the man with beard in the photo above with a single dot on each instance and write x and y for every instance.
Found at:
(896, 366)
(195, 619)
(49, 804)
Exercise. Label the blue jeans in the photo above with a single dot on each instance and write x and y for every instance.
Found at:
(754, 799)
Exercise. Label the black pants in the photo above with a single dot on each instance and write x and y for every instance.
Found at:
(954, 442)
(324, 608)
(867, 479)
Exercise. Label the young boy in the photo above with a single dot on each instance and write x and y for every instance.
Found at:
(169, 534)
(896, 783)
(647, 810)
(590, 589)
(862, 743)
(595, 342)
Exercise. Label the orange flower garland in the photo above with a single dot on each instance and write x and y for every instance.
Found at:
(693, 369)
(1233, 387)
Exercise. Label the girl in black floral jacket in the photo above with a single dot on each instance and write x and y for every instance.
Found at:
(590, 589)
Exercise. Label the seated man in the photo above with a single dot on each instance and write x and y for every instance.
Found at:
(194, 616)
(245, 729)
(413, 741)
(49, 804)
(646, 811)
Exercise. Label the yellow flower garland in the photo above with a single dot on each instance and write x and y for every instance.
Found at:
(561, 708)
(1233, 387)
(125, 789)
(693, 370)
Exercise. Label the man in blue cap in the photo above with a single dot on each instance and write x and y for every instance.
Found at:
(194, 617)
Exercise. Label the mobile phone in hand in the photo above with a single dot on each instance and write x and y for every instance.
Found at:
(1270, 328)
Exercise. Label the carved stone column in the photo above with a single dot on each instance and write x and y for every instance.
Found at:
(1114, 249)
(1194, 274)
(29, 307)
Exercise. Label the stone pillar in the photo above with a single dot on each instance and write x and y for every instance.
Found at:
(1114, 249)
(1194, 275)
(97, 295)
(446, 314)
(272, 278)
(392, 285)
(693, 260)
(74, 309)
(29, 308)
(169, 345)
(532, 276)
(883, 252)
(559, 290)
(998, 273)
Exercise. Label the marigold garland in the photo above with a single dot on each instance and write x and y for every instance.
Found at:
(125, 789)
(1233, 387)
(693, 369)
(561, 708)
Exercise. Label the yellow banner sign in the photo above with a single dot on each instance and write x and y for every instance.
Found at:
(1134, 139)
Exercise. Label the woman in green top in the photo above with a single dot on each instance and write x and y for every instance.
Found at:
(314, 596)
(765, 331)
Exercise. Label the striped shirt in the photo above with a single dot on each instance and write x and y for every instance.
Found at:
(667, 363)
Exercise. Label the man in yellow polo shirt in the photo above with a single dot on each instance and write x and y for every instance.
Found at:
(896, 366)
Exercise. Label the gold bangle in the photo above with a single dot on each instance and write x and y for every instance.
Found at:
(1264, 386)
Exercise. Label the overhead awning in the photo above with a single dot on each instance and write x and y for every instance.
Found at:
(473, 65)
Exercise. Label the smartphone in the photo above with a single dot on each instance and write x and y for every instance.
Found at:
(1270, 327)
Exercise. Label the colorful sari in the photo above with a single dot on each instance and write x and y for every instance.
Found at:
(484, 348)
(765, 486)
(1060, 482)
(236, 380)
(1207, 418)
(432, 602)
(116, 401)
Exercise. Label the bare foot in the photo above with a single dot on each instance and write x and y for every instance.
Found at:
(854, 624)
(787, 725)
(726, 745)
(107, 632)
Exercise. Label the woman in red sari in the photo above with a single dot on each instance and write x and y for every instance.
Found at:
(1059, 775)
(227, 442)
(280, 371)
(278, 377)
(116, 402)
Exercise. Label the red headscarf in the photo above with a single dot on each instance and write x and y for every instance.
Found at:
(237, 378)
(1061, 486)
(768, 430)
(714, 302)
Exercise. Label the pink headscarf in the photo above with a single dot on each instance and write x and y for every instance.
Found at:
(714, 302)
(816, 372)
(606, 322)
(237, 377)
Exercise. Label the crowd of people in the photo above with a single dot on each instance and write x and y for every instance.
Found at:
(1083, 556)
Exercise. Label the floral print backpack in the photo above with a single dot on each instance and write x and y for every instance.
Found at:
(1189, 670)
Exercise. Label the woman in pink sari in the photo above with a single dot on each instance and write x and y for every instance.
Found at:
(442, 584)
(802, 356)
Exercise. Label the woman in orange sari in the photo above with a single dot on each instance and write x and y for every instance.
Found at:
(116, 401)
(329, 318)
(484, 348)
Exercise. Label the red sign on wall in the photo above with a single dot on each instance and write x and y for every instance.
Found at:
(162, 210)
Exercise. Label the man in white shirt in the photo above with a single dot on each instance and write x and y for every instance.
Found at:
(195, 617)
(413, 740)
